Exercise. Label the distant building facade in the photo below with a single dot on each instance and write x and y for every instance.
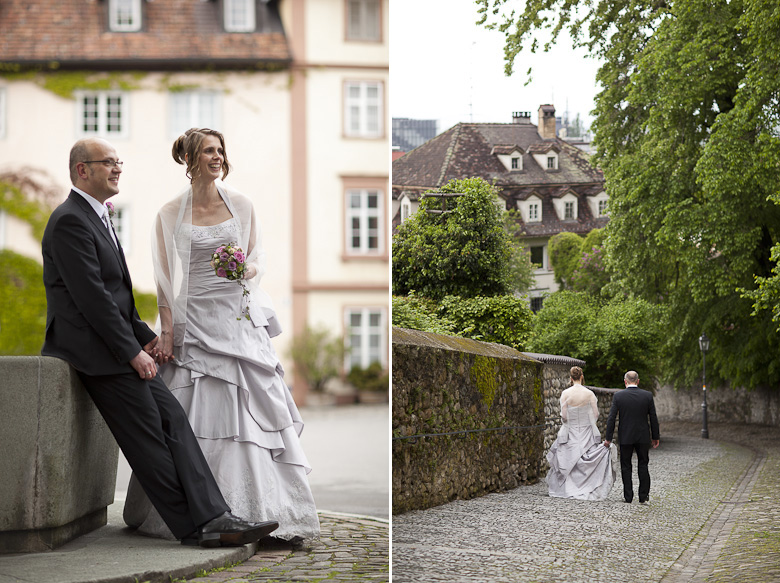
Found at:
(411, 133)
(298, 87)
(547, 180)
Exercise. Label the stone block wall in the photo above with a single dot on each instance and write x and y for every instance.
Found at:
(59, 460)
(466, 389)
(760, 406)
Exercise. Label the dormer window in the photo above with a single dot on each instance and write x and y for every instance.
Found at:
(552, 163)
(546, 155)
(598, 204)
(531, 209)
(515, 162)
(602, 208)
(124, 15)
(240, 15)
(406, 209)
(510, 156)
(566, 207)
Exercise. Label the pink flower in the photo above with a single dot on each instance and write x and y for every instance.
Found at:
(232, 266)
(238, 256)
(221, 272)
(220, 249)
(224, 256)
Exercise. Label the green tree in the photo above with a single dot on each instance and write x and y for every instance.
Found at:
(565, 250)
(686, 134)
(23, 301)
(466, 251)
(318, 355)
(612, 337)
(502, 319)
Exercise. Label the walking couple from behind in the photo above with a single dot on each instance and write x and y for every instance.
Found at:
(244, 452)
(583, 468)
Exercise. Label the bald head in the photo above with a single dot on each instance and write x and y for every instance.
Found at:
(631, 377)
(81, 151)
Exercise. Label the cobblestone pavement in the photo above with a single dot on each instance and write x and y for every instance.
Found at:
(350, 550)
(713, 516)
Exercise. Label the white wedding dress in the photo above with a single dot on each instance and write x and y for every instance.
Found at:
(230, 382)
(580, 466)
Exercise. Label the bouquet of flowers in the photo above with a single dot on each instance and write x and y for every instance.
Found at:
(229, 261)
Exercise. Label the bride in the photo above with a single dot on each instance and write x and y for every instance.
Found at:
(580, 466)
(215, 346)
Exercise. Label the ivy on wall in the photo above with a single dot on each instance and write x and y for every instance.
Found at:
(14, 202)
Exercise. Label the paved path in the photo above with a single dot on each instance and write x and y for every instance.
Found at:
(713, 516)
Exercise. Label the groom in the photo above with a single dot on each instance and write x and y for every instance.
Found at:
(634, 407)
(92, 323)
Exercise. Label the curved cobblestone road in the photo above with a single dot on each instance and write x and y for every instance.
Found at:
(713, 517)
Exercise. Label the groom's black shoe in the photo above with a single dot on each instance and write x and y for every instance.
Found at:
(230, 531)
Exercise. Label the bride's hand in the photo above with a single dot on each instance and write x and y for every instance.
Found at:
(164, 348)
(250, 272)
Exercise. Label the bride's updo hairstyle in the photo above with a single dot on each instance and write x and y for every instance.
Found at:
(188, 147)
(576, 374)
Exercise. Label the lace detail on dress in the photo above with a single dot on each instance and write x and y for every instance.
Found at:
(227, 229)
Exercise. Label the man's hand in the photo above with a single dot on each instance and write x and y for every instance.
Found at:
(144, 364)
(655, 442)
(607, 443)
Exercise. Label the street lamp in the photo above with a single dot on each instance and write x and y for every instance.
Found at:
(704, 346)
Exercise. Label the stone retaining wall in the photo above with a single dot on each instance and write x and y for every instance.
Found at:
(760, 406)
(59, 460)
(443, 384)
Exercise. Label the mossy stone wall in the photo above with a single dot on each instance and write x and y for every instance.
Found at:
(443, 384)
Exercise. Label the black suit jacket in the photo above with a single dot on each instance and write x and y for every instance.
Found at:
(91, 319)
(634, 406)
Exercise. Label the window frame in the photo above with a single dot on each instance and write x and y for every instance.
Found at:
(137, 19)
(250, 23)
(365, 335)
(3, 116)
(364, 213)
(348, 102)
(102, 110)
(122, 227)
(406, 208)
(194, 115)
(362, 35)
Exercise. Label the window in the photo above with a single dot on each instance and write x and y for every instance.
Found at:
(121, 222)
(551, 162)
(536, 304)
(602, 208)
(366, 331)
(363, 109)
(124, 15)
(533, 211)
(193, 109)
(102, 114)
(240, 15)
(537, 256)
(406, 209)
(363, 20)
(568, 210)
(364, 224)
(515, 163)
(2, 113)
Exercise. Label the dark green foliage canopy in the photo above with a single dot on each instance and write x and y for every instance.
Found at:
(612, 337)
(466, 252)
(687, 131)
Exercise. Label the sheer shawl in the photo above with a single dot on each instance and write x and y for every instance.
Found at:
(171, 251)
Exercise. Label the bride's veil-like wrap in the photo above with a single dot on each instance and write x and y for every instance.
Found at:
(171, 251)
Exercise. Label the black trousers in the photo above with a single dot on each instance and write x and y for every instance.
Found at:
(155, 436)
(643, 458)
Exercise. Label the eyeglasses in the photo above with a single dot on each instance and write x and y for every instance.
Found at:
(106, 163)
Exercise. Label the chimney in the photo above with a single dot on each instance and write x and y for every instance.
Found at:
(521, 117)
(547, 121)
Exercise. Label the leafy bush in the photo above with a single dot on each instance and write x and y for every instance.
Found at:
(373, 378)
(317, 355)
(612, 337)
(466, 252)
(565, 250)
(418, 313)
(502, 319)
(23, 301)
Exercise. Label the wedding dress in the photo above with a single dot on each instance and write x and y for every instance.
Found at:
(580, 466)
(229, 380)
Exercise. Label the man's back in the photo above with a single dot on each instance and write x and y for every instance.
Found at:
(633, 407)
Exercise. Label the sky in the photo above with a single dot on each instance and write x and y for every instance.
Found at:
(445, 67)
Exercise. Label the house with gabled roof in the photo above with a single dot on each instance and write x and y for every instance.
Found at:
(548, 181)
(298, 87)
